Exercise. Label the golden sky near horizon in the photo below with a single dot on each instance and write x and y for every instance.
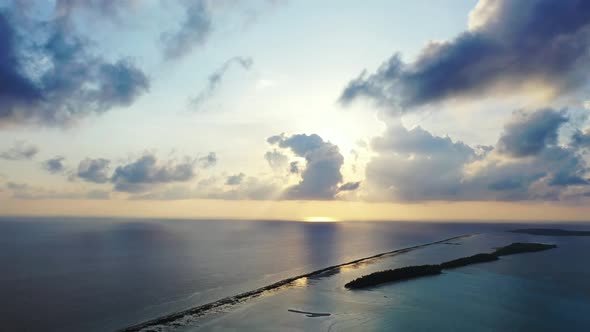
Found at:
(298, 210)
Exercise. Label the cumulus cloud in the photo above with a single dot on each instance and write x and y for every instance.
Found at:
(509, 45)
(217, 76)
(48, 75)
(581, 139)
(21, 150)
(94, 170)
(526, 164)
(529, 133)
(416, 165)
(321, 177)
(147, 171)
(55, 165)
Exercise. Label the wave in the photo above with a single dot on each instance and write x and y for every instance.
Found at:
(188, 316)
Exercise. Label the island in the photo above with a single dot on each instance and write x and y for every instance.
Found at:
(404, 273)
(479, 258)
(412, 272)
(520, 247)
(550, 232)
(310, 314)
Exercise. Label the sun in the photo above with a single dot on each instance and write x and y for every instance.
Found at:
(320, 219)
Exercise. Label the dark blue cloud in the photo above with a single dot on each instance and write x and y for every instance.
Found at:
(55, 165)
(299, 144)
(568, 167)
(349, 186)
(141, 174)
(48, 75)
(294, 167)
(94, 170)
(581, 139)
(530, 133)
(16, 89)
(509, 44)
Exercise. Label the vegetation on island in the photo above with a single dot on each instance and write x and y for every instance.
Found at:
(408, 272)
(520, 247)
(411, 272)
(479, 258)
(551, 232)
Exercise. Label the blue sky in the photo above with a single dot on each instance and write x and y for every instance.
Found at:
(475, 109)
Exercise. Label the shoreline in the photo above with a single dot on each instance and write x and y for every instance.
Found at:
(174, 319)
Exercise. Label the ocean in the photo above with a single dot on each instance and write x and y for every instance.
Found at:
(97, 274)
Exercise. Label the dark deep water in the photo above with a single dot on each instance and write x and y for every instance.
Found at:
(86, 274)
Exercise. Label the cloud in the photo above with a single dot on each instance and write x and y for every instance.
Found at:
(581, 139)
(321, 176)
(94, 170)
(54, 165)
(98, 194)
(294, 167)
(20, 151)
(147, 171)
(529, 133)
(540, 177)
(508, 47)
(208, 161)
(217, 76)
(112, 9)
(276, 160)
(24, 191)
(415, 165)
(193, 31)
(249, 188)
(48, 76)
(526, 164)
(200, 20)
(349, 186)
(234, 180)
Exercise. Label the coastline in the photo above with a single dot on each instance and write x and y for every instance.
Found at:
(186, 316)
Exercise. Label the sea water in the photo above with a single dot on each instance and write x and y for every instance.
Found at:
(89, 274)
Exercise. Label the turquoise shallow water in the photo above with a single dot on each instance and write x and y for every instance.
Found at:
(546, 291)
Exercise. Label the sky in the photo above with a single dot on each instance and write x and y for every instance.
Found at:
(278, 109)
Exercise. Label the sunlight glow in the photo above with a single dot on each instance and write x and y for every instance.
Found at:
(320, 219)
